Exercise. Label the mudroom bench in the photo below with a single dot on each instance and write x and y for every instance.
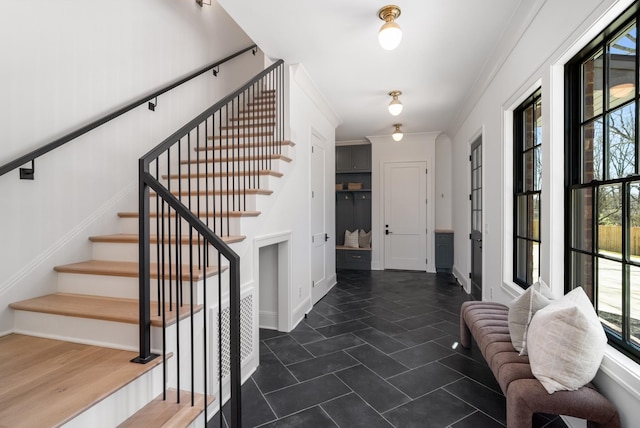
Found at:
(487, 323)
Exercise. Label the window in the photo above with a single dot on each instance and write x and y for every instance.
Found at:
(602, 182)
(527, 186)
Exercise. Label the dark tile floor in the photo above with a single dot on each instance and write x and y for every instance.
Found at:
(379, 350)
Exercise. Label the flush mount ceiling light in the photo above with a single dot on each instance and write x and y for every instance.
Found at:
(395, 106)
(397, 134)
(390, 34)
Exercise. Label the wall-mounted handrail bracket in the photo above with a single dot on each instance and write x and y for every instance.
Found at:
(28, 173)
(216, 70)
(254, 51)
(152, 104)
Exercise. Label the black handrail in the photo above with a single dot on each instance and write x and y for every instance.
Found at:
(251, 143)
(31, 156)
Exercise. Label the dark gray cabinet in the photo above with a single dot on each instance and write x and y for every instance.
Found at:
(353, 158)
(353, 205)
(444, 250)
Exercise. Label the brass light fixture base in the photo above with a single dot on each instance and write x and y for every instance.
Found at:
(395, 93)
(389, 13)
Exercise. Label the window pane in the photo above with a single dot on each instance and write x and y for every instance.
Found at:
(582, 220)
(534, 250)
(533, 216)
(634, 221)
(592, 87)
(528, 170)
(582, 266)
(635, 304)
(537, 168)
(592, 149)
(522, 216)
(538, 122)
(610, 220)
(622, 148)
(521, 259)
(527, 127)
(610, 293)
(622, 67)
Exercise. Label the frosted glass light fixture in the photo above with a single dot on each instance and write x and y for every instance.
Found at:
(390, 34)
(395, 106)
(397, 134)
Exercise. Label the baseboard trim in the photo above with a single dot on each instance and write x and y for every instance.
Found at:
(461, 279)
(268, 320)
(300, 311)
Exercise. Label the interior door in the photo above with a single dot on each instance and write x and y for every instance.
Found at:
(318, 221)
(405, 215)
(476, 219)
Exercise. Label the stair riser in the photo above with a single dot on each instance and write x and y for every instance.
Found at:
(231, 167)
(117, 407)
(130, 225)
(126, 287)
(128, 252)
(261, 182)
(285, 150)
(91, 331)
(219, 202)
(80, 330)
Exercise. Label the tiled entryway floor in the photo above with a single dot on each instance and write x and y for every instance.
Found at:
(379, 350)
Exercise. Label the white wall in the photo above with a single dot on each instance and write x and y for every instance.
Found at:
(65, 63)
(444, 174)
(530, 55)
(288, 209)
(413, 148)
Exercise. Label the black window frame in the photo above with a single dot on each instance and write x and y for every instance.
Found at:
(576, 182)
(520, 188)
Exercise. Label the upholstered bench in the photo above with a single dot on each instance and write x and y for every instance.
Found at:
(487, 323)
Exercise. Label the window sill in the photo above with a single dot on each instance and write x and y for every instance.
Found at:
(622, 370)
(511, 289)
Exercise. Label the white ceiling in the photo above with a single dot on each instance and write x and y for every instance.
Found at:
(446, 46)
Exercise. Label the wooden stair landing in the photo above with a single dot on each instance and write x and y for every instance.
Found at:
(168, 413)
(99, 308)
(46, 382)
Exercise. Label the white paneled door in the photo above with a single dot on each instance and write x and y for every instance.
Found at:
(405, 215)
(318, 221)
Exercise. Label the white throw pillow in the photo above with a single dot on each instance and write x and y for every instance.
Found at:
(566, 343)
(364, 239)
(521, 310)
(351, 238)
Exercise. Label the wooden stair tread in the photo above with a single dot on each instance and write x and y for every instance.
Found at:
(48, 382)
(99, 308)
(133, 238)
(254, 117)
(131, 269)
(248, 126)
(245, 145)
(168, 413)
(240, 136)
(224, 174)
(237, 159)
(203, 192)
(202, 214)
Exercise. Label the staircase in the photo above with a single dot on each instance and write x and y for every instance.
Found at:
(72, 350)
